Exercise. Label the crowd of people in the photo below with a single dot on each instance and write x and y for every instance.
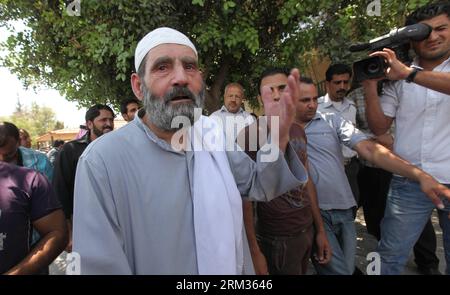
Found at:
(168, 194)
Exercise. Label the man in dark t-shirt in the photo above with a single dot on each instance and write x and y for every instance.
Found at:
(27, 200)
(290, 225)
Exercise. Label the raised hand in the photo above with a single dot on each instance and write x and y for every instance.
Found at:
(397, 70)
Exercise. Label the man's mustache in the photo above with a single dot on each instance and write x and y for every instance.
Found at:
(178, 91)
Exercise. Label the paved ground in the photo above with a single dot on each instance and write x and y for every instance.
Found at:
(366, 244)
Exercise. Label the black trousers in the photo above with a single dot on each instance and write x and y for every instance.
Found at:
(352, 171)
(373, 186)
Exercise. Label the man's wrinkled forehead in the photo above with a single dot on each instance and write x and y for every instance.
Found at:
(170, 52)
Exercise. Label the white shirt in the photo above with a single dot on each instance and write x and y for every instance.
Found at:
(422, 118)
(225, 115)
(346, 109)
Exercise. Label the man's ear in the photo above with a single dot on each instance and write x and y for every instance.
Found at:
(136, 86)
(89, 125)
(327, 86)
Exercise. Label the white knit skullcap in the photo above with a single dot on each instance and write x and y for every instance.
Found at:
(157, 37)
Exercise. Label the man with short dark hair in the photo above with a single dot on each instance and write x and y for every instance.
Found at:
(27, 201)
(373, 184)
(418, 99)
(128, 108)
(338, 84)
(288, 227)
(14, 153)
(99, 120)
(15, 195)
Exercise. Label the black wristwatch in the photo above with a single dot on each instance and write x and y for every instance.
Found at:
(413, 74)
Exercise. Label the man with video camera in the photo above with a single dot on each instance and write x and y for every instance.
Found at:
(418, 99)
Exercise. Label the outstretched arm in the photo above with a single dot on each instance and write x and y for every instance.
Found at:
(383, 158)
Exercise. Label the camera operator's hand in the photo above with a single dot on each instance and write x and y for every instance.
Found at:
(396, 70)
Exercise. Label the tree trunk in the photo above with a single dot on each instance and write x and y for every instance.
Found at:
(212, 102)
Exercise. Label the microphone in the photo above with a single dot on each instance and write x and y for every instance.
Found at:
(416, 32)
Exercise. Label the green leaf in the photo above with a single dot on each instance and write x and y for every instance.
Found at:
(198, 2)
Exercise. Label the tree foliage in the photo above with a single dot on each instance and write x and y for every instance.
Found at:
(37, 120)
(89, 58)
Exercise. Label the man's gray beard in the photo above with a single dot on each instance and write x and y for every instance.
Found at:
(161, 113)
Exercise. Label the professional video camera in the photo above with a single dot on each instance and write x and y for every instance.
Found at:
(397, 40)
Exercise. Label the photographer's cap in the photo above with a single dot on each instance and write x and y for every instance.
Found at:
(163, 35)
